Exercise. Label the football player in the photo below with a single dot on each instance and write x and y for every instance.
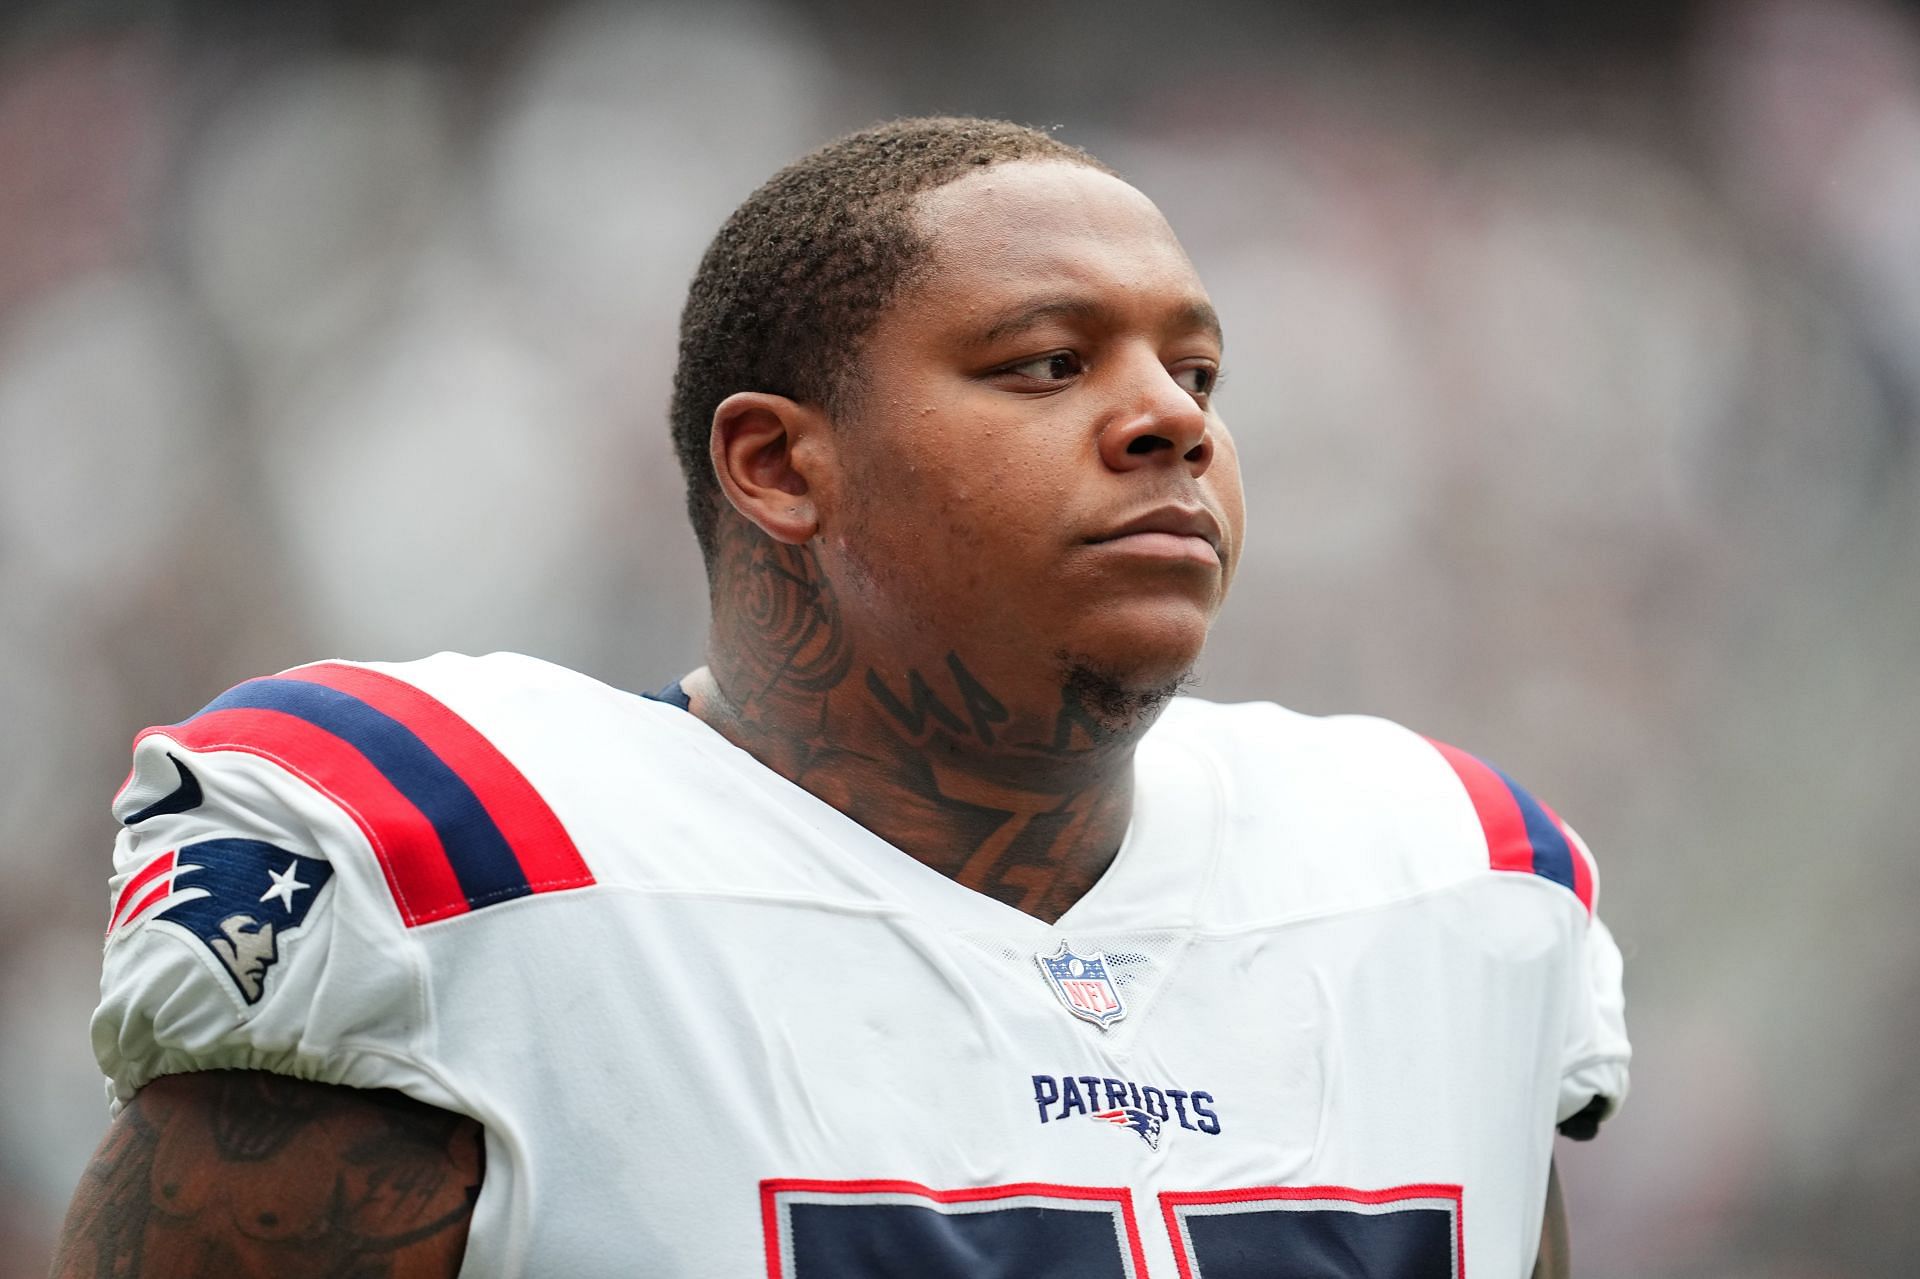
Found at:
(922, 932)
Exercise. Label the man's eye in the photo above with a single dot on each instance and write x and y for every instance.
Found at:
(1056, 367)
(1199, 381)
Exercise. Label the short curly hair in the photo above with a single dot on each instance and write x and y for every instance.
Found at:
(798, 276)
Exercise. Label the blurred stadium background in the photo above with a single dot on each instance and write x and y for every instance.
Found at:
(1574, 356)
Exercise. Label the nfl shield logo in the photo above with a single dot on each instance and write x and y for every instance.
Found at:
(1082, 983)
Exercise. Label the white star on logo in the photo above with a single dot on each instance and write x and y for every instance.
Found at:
(285, 884)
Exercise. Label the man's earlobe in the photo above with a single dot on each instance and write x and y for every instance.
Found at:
(765, 451)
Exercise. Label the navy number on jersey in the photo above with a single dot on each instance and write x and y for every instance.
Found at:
(1320, 1232)
(876, 1229)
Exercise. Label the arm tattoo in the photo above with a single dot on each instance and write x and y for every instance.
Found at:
(254, 1116)
(105, 1226)
(245, 1174)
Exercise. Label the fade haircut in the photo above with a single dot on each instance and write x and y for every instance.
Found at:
(796, 279)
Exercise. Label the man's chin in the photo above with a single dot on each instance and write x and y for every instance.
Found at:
(1118, 700)
(1141, 651)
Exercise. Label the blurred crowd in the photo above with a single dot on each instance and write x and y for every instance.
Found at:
(1577, 383)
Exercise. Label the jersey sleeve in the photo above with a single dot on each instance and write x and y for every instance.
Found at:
(1593, 1072)
(277, 852)
(1525, 837)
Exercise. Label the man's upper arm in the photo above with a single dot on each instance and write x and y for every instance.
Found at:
(243, 1173)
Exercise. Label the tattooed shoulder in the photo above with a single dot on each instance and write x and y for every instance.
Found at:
(244, 1173)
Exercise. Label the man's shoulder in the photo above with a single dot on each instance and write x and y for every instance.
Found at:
(446, 705)
(1261, 734)
(451, 773)
(502, 680)
(1367, 799)
(513, 695)
(283, 848)
(1334, 773)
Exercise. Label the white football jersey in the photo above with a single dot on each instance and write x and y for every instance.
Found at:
(1320, 1016)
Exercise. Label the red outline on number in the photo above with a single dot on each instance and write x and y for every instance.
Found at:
(1172, 1199)
(772, 1187)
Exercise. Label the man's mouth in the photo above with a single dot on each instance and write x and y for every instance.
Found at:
(1167, 532)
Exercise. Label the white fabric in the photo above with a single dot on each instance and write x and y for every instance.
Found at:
(1302, 924)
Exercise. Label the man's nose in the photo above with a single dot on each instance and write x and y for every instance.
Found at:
(1159, 422)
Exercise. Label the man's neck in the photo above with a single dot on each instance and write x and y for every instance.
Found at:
(1027, 804)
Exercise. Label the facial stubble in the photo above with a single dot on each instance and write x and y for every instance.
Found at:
(1114, 709)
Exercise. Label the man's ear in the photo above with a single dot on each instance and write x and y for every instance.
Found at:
(769, 453)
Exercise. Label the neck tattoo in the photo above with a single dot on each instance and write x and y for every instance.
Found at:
(1027, 808)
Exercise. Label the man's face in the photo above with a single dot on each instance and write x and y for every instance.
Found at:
(1034, 464)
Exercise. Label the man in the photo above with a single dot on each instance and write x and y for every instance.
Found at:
(922, 932)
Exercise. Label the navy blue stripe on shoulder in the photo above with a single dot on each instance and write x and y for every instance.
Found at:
(672, 695)
(483, 862)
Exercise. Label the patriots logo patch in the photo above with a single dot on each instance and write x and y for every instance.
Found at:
(241, 897)
(1129, 1117)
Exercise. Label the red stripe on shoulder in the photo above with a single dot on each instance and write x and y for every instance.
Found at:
(155, 895)
(545, 851)
(408, 848)
(1508, 847)
(148, 873)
